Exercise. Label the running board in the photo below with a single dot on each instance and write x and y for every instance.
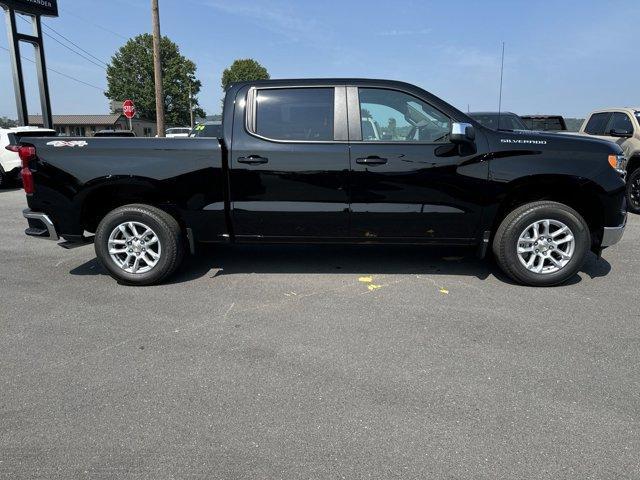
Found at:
(77, 243)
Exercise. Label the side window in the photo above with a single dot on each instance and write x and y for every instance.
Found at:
(621, 122)
(304, 114)
(596, 123)
(392, 116)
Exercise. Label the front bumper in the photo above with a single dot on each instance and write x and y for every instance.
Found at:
(613, 235)
(40, 226)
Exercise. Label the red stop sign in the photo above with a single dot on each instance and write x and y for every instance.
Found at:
(128, 108)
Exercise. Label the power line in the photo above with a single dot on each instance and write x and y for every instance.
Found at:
(67, 12)
(69, 48)
(74, 44)
(102, 27)
(56, 71)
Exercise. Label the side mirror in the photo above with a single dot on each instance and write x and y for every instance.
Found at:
(462, 133)
(620, 133)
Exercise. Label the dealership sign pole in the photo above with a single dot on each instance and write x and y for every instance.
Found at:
(35, 9)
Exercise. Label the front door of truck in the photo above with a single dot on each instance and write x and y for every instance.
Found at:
(408, 181)
(289, 164)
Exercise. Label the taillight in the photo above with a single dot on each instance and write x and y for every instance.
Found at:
(27, 153)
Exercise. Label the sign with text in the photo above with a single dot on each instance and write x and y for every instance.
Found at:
(48, 8)
(129, 109)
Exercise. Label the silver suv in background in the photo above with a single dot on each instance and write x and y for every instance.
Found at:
(621, 126)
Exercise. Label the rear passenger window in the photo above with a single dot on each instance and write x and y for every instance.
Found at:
(303, 114)
(597, 123)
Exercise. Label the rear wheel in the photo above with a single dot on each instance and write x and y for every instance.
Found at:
(542, 243)
(4, 180)
(139, 244)
(633, 191)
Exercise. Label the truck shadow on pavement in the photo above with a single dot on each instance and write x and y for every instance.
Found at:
(223, 260)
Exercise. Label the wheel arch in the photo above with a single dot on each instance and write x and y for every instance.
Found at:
(581, 194)
(106, 195)
(634, 163)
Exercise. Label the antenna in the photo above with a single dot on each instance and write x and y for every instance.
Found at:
(500, 95)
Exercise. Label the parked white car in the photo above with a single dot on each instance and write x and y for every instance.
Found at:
(9, 160)
(178, 132)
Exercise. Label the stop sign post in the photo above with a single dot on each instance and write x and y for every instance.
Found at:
(129, 110)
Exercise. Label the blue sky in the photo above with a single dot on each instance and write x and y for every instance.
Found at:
(564, 57)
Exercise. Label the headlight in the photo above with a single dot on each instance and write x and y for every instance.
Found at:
(619, 163)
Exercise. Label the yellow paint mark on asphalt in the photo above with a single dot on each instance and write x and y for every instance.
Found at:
(444, 291)
(374, 287)
(365, 279)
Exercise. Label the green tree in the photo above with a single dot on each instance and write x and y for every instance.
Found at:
(243, 70)
(7, 122)
(130, 76)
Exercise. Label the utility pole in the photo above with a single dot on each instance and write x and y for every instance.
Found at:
(157, 68)
(190, 105)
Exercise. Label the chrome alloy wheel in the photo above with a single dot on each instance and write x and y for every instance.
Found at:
(546, 246)
(134, 247)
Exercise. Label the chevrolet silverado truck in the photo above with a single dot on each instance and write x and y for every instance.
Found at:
(294, 166)
(621, 126)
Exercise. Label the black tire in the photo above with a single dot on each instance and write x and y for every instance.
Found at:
(505, 243)
(163, 225)
(4, 179)
(633, 192)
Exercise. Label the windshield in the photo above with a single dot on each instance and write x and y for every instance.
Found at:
(545, 124)
(207, 131)
(508, 121)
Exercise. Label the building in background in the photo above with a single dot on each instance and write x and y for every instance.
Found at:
(88, 125)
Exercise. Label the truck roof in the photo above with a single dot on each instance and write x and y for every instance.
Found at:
(631, 110)
(326, 81)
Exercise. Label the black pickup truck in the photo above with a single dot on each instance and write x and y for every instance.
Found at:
(341, 161)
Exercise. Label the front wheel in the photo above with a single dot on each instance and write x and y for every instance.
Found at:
(139, 244)
(542, 243)
(633, 192)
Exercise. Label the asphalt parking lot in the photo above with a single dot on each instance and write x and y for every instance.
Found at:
(315, 362)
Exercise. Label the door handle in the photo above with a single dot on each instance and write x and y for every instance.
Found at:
(371, 160)
(253, 160)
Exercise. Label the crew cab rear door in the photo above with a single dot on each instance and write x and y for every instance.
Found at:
(408, 181)
(289, 164)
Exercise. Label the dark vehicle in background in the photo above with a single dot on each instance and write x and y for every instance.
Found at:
(114, 133)
(210, 129)
(545, 123)
(499, 120)
(295, 165)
